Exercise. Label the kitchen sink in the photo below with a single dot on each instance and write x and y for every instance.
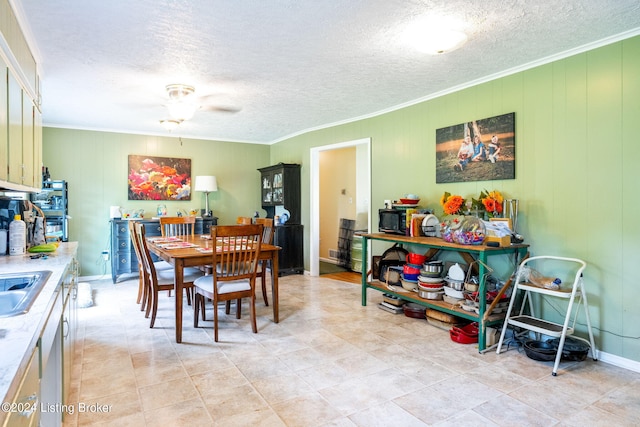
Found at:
(18, 291)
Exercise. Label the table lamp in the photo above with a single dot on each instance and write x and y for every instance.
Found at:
(206, 184)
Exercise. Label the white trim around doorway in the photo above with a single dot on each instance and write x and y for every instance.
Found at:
(314, 227)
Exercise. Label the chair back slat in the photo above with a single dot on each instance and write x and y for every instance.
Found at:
(267, 233)
(145, 255)
(237, 248)
(177, 226)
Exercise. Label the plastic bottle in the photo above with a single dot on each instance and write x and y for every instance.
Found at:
(17, 236)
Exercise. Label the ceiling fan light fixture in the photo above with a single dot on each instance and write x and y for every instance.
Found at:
(181, 104)
(442, 41)
(181, 110)
(179, 91)
(170, 124)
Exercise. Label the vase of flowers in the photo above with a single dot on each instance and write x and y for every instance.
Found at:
(490, 202)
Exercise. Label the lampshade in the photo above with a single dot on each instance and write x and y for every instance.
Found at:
(206, 184)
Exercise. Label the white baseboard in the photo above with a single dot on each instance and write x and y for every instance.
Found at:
(98, 277)
(621, 362)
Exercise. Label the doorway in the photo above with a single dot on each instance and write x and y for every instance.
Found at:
(363, 166)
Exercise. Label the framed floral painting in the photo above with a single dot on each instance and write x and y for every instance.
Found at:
(159, 178)
(479, 150)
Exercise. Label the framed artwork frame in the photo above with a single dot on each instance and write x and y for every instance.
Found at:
(159, 178)
(478, 150)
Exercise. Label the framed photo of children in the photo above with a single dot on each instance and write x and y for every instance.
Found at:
(159, 178)
(479, 150)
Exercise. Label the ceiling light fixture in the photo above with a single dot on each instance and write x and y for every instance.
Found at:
(181, 106)
(170, 124)
(436, 34)
(442, 41)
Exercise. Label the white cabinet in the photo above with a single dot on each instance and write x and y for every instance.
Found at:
(14, 119)
(20, 124)
(69, 326)
(24, 410)
(4, 139)
(57, 352)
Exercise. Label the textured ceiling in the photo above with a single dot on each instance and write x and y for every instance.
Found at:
(287, 65)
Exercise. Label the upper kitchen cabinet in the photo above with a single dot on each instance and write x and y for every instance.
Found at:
(280, 190)
(4, 141)
(20, 120)
(14, 105)
(21, 57)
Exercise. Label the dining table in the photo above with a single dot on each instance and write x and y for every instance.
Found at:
(197, 251)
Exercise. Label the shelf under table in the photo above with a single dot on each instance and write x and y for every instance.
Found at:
(439, 305)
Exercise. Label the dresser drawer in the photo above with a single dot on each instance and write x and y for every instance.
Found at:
(124, 262)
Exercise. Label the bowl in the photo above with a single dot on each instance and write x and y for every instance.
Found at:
(458, 285)
(540, 350)
(413, 258)
(450, 300)
(429, 285)
(449, 291)
(410, 277)
(410, 269)
(414, 310)
(409, 285)
(433, 267)
(432, 275)
(471, 287)
(471, 329)
(462, 338)
(429, 279)
(431, 294)
(409, 201)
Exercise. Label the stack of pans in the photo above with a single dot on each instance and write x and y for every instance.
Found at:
(430, 284)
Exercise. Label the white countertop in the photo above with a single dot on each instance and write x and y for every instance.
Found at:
(19, 334)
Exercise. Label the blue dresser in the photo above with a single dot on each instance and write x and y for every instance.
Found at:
(123, 257)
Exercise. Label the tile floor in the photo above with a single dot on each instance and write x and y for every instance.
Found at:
(329, 362)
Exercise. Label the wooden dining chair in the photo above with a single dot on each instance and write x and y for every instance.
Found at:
(177, 226)
(244, 220)
(233, 276)
(267, 238)
(159, 280)
(158, 265)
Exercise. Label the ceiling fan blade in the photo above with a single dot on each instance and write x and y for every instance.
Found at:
(220, 108)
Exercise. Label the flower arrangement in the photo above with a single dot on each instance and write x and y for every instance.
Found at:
(452, 203)
(491, 201)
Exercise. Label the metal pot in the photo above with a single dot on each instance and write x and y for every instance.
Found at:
(433, 267)
(432, 295)
(454, 284)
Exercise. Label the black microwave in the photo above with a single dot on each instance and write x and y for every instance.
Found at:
(392, 221)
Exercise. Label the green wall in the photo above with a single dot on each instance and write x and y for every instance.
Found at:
(95, 165)
(576, 171)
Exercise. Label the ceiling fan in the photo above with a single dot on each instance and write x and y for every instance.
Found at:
(183, 104)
